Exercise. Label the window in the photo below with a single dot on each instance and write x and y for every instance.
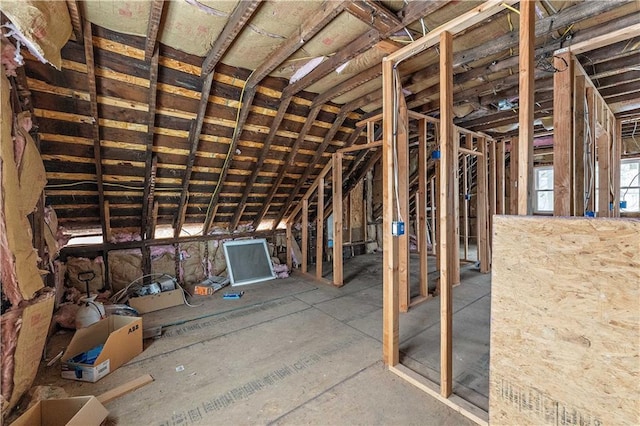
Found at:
(630, 185)
(543, 202)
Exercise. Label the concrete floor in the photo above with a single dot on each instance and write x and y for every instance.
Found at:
(294, 351)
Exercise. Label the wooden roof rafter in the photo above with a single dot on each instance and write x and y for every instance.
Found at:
(155, 16)
(287, 163)
(76, 20)
(97, 150)
(194, 139)
(147, 198)
(238, 19)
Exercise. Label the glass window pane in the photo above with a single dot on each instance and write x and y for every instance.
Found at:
(629, 173)
(544, 178)
(544, 202)
(633, 201)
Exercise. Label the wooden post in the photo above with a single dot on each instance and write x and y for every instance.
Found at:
(616, 156)
(465, 212)
(421, 208)
(592, 157)
(526, 106)
(289, 247)
(305, 235)
(513, 176)
(500, 178)
(447, 214)
(578, 179)
(604, 181)
(337, 220)
(390, 309)
(107, 221)
(320, 229)
(432, 211)
(402, 170)
(492, 187)
(484, 255)
(562, 133)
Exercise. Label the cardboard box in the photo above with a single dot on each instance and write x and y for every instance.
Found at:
(122, 340)
(77, 411)
(155, 302)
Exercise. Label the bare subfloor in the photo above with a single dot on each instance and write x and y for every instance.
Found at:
(296, 351)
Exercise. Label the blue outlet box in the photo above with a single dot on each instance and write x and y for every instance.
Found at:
(435, 154)
(397, 228)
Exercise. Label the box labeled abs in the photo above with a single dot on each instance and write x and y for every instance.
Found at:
(101, 348)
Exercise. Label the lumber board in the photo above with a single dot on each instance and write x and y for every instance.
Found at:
(562, 134)
(124, 388)
(526, 106)
(565, 321)
(320, 228)
(421, 207)
(338, 238)
(402, 191)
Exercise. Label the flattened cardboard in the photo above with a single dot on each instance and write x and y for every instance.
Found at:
(155, 302)
(77, 411)
(122, 339)
(36, 319)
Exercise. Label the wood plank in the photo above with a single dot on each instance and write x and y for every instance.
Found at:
(562, 134)
(338, 238)
(433, 196)
(402, 174)
(320, 229)
(155, 16)
(184, 193)
(459, 405)
(242, 13)
(348, 85)
(360, 147)
(375, 15)
(607, 39)
(604, 167)
(526, 106)
(421, 207)
(309, 28)
(95, 127)
(390, 308)
(513, 175)
(124, 388)
(305, 235)
(149, 179)
(574, 346)
(616, 156)
(447, 214)
(257, 168)
(291, 155)
(492, 187)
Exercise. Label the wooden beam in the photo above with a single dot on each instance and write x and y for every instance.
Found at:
(311, 190)
(482, 206)
(492, 187)
(309, 28)
(455, 25)
(390, 308)
(526, 106)
(360, 147)
(76, 20)
(184, 194)
(421, 207)
(604, 167)
(374, 15)
(95, 128)
(282, 109)
(125, 388)
(305, 235)
(149, 177)
(155, 16)
(580, 128)
(237, 20)
(247, 100)
(311, 117)
(320, 229)
(447, 216)
(348, 85)
(342, 115)
(107, 221)
(513, 175)
(402, 174)
(154, 219)
(562, 133)
(289, 246)
(603, 40)
(338, 238)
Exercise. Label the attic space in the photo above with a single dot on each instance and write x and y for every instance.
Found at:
(320, 212)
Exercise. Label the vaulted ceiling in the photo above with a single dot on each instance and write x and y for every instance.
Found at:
(213, 114)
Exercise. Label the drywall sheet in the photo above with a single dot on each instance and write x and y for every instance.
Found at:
(565, 321)
(36, 319)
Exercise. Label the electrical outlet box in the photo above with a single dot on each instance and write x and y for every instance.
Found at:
(397, 228)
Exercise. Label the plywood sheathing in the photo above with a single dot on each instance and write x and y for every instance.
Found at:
(565, 321)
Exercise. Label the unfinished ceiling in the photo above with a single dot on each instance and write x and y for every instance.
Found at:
(136, 139)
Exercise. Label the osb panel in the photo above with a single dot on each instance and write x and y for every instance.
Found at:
(565, 321)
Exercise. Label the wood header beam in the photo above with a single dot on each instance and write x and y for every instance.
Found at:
(238, 19)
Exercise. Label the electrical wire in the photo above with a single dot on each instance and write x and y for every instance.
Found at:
(394, 141)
